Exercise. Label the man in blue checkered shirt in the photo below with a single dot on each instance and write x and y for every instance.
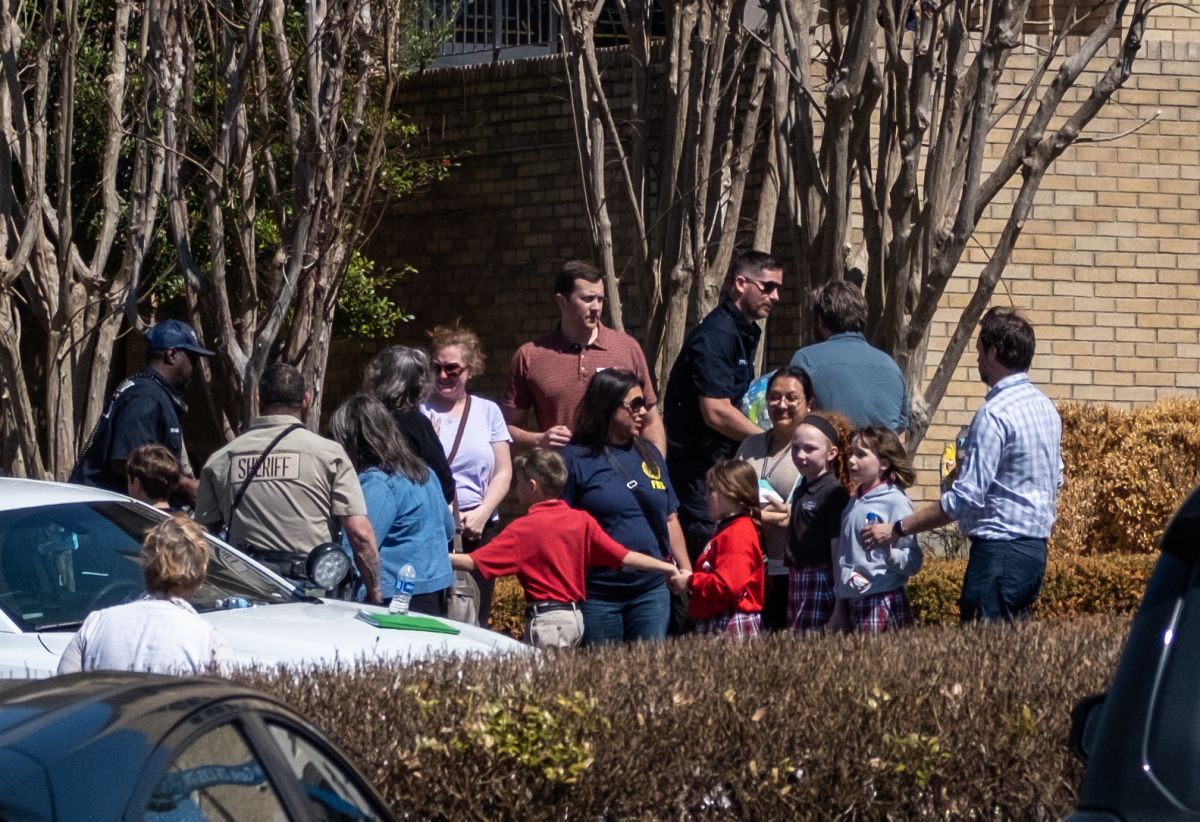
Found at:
(1007, 488)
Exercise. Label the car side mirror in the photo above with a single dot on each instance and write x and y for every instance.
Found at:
(1085, 721)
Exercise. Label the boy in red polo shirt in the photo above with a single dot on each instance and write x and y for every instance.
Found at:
(549, 550)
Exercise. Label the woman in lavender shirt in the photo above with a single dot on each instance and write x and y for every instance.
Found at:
(482, 466)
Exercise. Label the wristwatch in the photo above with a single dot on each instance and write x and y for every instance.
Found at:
(897, 529)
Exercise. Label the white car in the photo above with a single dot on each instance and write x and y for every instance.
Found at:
(67, 550)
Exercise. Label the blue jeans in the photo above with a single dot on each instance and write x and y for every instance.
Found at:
(1003, 579)
(644, 617)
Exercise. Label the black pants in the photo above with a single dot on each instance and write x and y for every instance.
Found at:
(774, 614)
(696, 534)
(433, 603)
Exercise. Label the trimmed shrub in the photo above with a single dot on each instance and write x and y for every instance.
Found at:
(932, 722)
(1110, 583)
(1125, 474)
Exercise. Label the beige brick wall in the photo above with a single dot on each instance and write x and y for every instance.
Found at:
(1108, 267)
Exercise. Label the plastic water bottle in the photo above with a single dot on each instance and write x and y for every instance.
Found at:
(406, 581)
(875, 554)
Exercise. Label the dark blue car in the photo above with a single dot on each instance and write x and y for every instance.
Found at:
(109, 746)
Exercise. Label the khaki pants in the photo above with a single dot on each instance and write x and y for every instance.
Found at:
(555, 629)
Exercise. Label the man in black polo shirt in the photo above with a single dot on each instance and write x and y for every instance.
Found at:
(144, 409)
(703, 413)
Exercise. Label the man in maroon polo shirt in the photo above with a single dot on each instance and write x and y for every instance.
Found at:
(551, 373)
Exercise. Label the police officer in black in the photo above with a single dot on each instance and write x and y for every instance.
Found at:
(714, 368)
(145, 408)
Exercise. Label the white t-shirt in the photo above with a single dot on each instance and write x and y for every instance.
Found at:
(475, 463)
(152, 635)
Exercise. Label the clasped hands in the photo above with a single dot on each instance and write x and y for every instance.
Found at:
(678, 582)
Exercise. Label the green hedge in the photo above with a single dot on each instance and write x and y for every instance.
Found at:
(932, 722)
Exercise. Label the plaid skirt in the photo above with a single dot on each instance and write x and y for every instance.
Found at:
(876, 613)
(810, 598)
(733, 624)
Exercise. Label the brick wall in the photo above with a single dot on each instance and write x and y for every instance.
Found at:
(1108, 268)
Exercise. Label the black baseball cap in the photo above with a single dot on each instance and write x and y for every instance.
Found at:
(175, 334)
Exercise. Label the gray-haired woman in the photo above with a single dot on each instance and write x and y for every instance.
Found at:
(400, 377)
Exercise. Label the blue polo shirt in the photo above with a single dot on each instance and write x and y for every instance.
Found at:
(717, 360)
(144, 409)
(595, 486)
(851, 376)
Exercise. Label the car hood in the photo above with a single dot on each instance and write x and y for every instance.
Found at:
(329, 632)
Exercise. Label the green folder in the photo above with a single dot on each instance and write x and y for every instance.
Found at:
(407, 622)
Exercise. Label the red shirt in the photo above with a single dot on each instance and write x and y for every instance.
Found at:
(729, 572)
(551, 373)
(550, 549)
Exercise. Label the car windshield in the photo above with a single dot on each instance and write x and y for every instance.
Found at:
(58, 563)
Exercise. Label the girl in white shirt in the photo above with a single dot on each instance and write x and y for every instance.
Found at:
(160, 633)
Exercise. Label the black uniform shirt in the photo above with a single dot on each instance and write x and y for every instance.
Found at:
(144, 409)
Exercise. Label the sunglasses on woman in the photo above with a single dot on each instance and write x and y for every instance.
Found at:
(450, 369)
(636, 405)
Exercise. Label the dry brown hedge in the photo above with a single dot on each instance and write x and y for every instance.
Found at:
(1073, 586)
(931, 723)
(1125, 473)
(1109, 583)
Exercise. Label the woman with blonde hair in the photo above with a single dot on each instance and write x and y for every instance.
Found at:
(160, 632)
(476, 441)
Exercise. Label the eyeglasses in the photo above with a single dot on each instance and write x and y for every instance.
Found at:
(780, 399)
(450, 369)
(636, 405)
(767, 288)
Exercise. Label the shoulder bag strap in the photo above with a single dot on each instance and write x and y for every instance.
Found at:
(457, 542)
(660, 531)
(237, 498)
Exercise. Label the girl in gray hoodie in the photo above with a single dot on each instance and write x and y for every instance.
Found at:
(872, 581)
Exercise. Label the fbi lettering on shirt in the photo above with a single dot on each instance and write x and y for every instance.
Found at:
(654, 473)
(277, 466)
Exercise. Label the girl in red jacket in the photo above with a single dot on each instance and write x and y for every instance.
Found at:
(727, 586)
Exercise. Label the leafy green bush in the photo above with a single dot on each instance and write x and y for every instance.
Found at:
(932, 722)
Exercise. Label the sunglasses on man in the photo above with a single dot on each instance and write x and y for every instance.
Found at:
(767, 288)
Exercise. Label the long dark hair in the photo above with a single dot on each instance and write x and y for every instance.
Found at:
(364, 427)
(604, 395)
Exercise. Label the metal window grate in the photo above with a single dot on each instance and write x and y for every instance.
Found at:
(502, 27)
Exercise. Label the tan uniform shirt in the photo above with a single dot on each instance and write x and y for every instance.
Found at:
(294, 501)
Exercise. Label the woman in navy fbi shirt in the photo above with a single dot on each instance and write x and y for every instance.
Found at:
(621, 480)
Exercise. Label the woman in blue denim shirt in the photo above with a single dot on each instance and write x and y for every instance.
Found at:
(405, 505)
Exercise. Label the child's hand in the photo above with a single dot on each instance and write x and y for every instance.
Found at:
(679, 583)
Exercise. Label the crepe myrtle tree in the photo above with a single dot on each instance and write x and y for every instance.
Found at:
(232, 154)
(817, 112)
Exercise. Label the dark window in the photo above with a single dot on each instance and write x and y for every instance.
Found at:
(330, 792)
(217, 777)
